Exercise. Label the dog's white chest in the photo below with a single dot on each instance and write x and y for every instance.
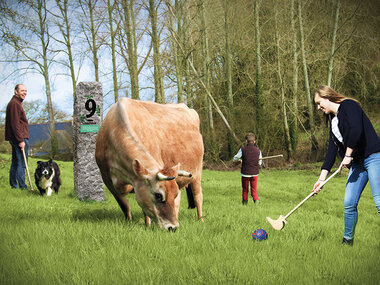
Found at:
(47, 183)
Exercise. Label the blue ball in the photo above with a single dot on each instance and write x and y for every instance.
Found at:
(259, 235)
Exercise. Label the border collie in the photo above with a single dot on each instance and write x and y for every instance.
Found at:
(47, 177)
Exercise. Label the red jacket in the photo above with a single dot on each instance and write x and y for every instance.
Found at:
(16, 123)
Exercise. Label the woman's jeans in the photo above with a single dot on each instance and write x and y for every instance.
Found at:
(360, 173)
(17, 171)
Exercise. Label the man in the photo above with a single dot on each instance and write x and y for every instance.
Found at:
(251, 156)
(17, 133)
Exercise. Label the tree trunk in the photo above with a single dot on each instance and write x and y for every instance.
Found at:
(314, 143)
(110, 9)
(206, 76)
(130, 31)
(178, 54)
(282, 92)
(294, 107)
(66, 32)
(333, 40)
(178, 57)
(228, 69)
(258, 98)
(41, 8)
(158, 77)
(94, 47)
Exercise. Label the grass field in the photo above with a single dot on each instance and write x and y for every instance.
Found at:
(61, 240)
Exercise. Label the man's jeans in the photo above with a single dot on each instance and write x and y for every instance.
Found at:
(17, 171)
(360, 173)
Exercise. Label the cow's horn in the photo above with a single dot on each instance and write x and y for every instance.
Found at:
(184, 173)
(162, 177)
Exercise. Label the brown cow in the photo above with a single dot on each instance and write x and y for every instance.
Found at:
(154, 149)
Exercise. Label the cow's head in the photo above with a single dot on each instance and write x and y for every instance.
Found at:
(157, 193)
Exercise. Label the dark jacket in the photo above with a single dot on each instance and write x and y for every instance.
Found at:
(250, 159)
(16, 124)
(357, 132)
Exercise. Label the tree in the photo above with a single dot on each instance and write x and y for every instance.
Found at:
(333, 40)
(293, 128)
(158, 75)
(63, 21)
(228, 71)
(112, 33)
(314, 143)
(129, 22)
(90, 26)
(37, 112)
(281, 83)
(38, 57)
(205, 54)
(259, 101)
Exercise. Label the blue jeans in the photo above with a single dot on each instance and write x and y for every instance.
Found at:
(360, 173)
(17, 171)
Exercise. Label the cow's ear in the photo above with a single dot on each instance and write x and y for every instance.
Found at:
(139, 169)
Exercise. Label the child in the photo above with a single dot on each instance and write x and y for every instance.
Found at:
(250, 155)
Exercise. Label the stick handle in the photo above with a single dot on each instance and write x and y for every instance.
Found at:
(312, 193)
(273, 156)
(27, 169)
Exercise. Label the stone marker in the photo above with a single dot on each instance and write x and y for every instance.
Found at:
(88, 113)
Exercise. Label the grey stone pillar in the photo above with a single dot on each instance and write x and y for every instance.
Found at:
(88, 113)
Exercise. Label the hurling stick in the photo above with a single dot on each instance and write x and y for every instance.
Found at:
(27, 169)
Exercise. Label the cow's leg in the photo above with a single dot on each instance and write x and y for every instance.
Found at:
(198, 196)
(124, 205)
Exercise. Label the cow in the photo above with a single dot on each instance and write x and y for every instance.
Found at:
(154, 150)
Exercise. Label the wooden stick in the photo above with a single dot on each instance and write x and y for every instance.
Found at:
(273, 156)
(312, 193)
(27, 169)
(281, 221)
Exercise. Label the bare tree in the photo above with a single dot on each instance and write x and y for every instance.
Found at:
(30, 39)
(314, 143)
(333, 40)
(259, 101)
(111, 7)
(63, 20)
(205, 54)
(294, 107)
(129, 23)
(158, 74)
(281, 82)
(91, 25)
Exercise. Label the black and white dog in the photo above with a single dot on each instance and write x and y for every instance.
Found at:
(47, 177)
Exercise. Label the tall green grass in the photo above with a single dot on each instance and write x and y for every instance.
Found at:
(61, 240)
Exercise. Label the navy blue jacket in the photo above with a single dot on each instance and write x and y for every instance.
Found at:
(357, 132)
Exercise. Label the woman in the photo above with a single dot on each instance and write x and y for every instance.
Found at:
(353, 137)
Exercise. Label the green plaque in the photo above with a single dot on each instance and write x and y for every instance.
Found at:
(89, 128)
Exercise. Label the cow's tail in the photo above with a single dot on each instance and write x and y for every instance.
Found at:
(190, 197)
